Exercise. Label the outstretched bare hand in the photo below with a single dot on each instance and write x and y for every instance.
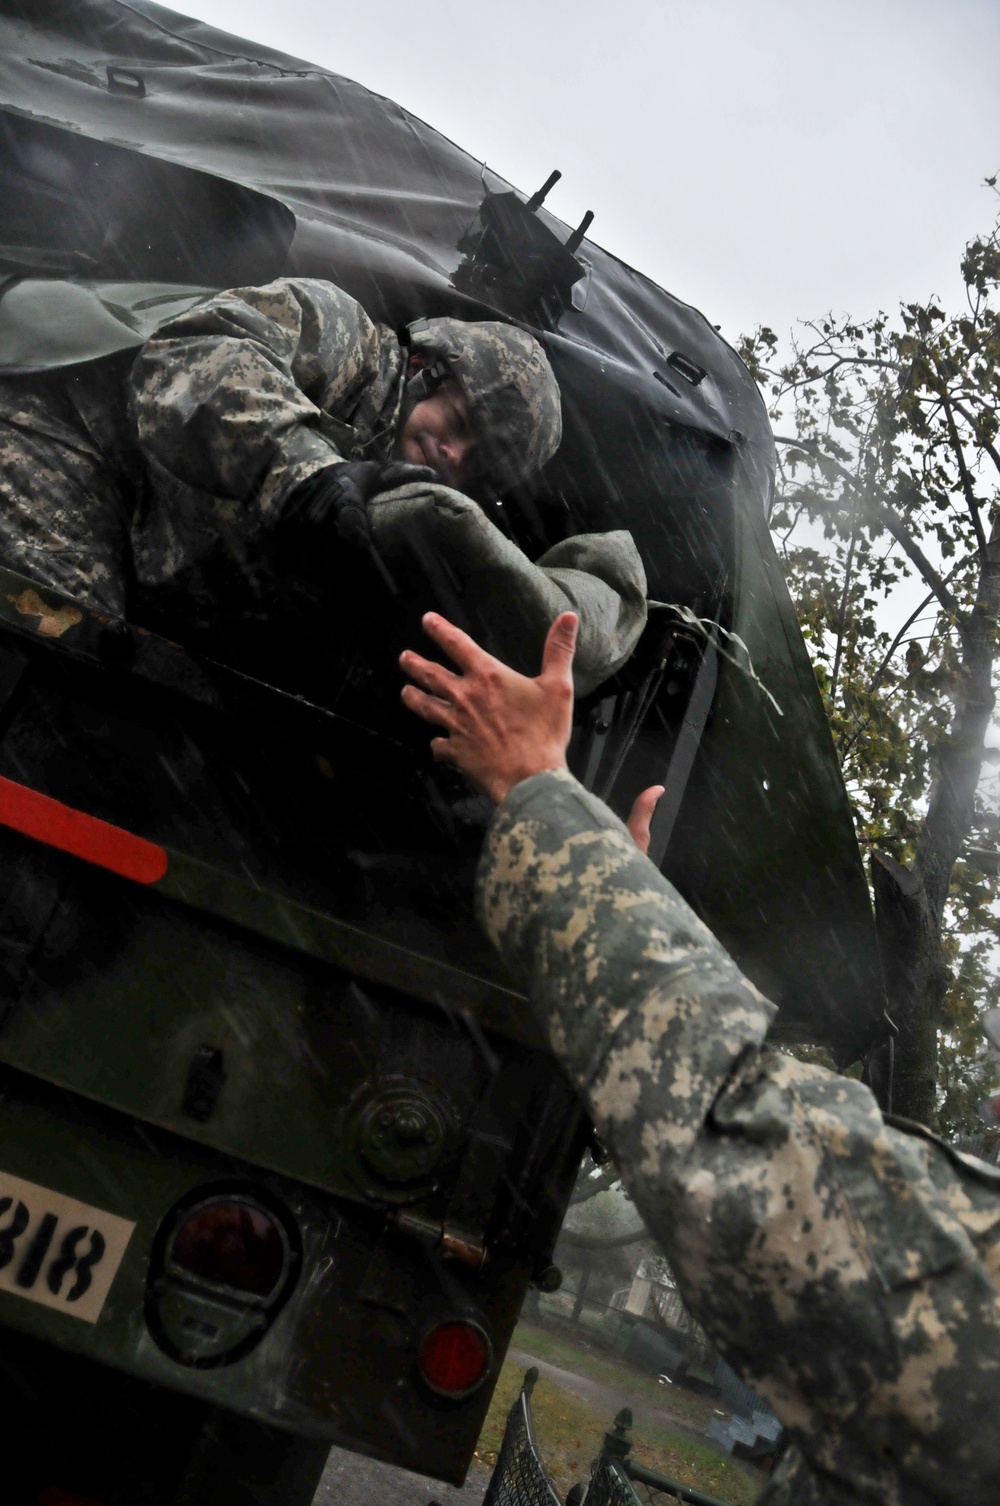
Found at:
(501, 727)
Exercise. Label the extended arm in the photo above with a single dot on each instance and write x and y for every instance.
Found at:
(441, 545)
(848, 1270)
(600, 577)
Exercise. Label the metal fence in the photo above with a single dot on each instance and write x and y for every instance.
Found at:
(647, 1495)
(519, 1478)
(618, 1480)
(652, 1489)
(611, 1486)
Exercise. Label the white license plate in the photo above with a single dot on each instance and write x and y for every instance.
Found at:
(56, 1251)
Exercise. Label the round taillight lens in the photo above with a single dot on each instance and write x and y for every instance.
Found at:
(233, 1244)
(454, 1357)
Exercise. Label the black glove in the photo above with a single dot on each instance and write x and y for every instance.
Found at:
(338, 496)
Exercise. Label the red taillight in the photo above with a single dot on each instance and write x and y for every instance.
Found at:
(232, 1244)
(454, 1357)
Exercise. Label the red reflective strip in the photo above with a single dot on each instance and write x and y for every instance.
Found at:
(86, 837)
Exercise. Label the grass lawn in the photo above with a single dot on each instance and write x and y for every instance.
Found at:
(569, 1434)
(582, 1359)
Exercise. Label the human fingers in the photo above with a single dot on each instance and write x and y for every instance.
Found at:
(460, 648)
(428, 675)
(430, 707)
(442, 750)
(641, 815)
(560, 646)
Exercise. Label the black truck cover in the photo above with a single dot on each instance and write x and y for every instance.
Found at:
(216, 162)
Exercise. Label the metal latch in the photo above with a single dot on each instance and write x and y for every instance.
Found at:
(450, 1241)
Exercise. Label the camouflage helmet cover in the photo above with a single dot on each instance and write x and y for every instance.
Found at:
(510, 387)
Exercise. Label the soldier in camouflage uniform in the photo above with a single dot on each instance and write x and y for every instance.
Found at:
(846, 1265)
(68, 470)
(265, 431)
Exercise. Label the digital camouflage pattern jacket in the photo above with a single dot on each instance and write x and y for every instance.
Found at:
(155, 487)
(847, 1267)
(247, 395)
(235, 403)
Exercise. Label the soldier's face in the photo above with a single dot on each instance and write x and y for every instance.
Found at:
(439, 433)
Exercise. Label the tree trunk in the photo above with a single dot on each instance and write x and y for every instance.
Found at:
(916, 982)
(910, 903)
(581, 1290)
(952, 802)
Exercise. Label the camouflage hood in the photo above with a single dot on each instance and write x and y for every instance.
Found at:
(510, 387)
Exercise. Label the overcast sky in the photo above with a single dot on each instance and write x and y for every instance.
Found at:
(765, 160)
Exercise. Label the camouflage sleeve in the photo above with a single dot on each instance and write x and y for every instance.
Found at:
(602, 579)
(845, 1268)
(239, 400)
(446, 553)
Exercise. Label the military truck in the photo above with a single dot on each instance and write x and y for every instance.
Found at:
(281, 1147)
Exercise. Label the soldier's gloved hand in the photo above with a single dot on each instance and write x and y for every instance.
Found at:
(399, 473)
(338, 496)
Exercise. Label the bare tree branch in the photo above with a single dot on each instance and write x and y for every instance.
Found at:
(836, 362)
(877, 677)
(990, 449)
(968, 490)
(890, 520)
(845, 597)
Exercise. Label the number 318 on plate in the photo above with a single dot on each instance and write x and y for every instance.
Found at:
(57, 1251)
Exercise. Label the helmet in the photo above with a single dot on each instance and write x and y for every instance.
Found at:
(509, 386)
